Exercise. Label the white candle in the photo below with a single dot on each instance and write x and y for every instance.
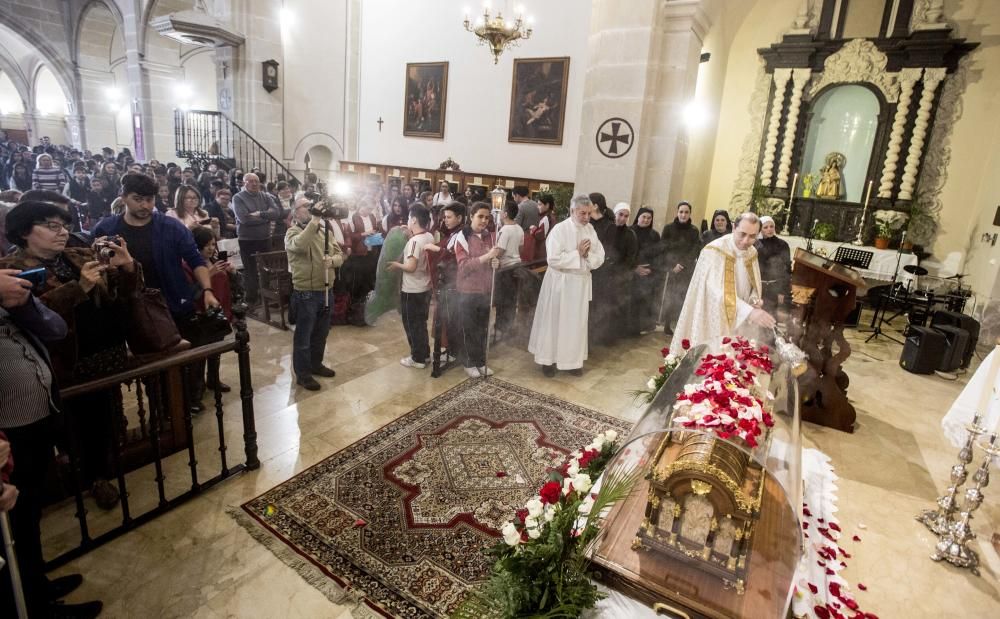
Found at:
(795, 180)
(868, 195)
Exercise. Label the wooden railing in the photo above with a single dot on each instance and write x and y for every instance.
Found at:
(144, 433)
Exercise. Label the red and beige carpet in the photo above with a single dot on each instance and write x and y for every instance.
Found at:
(397, 522)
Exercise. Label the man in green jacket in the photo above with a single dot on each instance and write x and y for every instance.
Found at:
(313, 254)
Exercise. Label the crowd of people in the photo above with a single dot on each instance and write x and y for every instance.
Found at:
(83, 234)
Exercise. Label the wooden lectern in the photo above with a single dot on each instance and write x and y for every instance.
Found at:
(823, 294)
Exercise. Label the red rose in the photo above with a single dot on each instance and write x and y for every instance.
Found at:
(587, 456)
(685, 344)
(550, 492)
(521, 514)
(664, 351)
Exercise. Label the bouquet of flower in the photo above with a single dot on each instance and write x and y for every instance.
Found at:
(670, 363)
(726, 402)
(540, 564)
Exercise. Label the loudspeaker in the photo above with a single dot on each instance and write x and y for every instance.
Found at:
(958, 342)
(962, 321)
(923, 350)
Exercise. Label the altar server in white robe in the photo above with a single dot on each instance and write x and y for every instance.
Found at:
(724, 297)
(559, 331)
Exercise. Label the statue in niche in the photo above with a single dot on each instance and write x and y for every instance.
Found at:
(830, 177)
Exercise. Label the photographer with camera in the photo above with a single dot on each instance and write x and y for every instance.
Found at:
(313, 254)
(89, 288)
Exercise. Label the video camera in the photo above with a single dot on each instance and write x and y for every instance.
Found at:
(324, 209)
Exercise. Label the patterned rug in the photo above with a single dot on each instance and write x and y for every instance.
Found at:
(397, 522)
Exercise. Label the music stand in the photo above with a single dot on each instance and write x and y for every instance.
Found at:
(853, 257)
(880, 320)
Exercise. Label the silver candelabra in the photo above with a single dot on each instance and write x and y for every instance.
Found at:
(953, 541)
(939, 520)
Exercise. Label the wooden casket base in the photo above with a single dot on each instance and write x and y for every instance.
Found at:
(663, 582)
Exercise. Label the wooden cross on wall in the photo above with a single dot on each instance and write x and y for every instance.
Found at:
(380, 121)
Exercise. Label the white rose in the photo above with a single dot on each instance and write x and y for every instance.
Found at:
(671, 359)
(510, 534)
(573, 468)
(550, 513)
(535, 507)
(652, 383)
(598, 443)
(566, 484)
(530, 523)
(534, 533)
(610, 436)
(582, 483)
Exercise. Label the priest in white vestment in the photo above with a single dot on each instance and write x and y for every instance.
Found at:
(724, 297)
(559, 331)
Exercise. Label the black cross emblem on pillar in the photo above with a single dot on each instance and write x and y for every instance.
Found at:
(380, 121)
(610, 134)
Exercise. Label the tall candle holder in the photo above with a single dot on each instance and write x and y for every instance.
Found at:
(940, 520)
(953, 546)
(788, 207)
(864, 216)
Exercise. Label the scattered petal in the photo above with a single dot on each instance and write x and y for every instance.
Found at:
(862, 586)
(862, 526)
(501, 473)
(856, 538)
(359, 523)
(813, 588)
(835, 526)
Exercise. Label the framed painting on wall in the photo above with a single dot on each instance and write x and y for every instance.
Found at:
(426, 95)
(538, 100)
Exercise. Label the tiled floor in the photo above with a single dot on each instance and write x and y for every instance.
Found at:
(197, 562)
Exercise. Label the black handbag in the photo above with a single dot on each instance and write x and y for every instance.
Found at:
(206, 328)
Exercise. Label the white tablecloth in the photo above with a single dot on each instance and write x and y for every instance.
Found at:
(883, 261)
(964, 409)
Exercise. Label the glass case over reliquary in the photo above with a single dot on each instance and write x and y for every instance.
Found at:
(712, 527)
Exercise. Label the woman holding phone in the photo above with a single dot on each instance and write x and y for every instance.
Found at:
(89, 288)
(188, 209)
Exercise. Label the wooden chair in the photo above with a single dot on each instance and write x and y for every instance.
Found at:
(275, 285)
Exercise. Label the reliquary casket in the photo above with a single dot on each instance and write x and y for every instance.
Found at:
(711, 529)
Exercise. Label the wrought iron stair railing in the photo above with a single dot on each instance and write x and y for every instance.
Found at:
(203, 136)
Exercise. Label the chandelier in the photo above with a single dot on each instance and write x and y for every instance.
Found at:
(497, 33)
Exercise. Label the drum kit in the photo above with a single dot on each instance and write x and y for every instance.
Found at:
(919, 297)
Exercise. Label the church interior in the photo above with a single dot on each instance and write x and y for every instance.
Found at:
(785, 404)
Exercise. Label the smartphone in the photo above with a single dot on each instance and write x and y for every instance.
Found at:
(223, 255)
(35, 276)
(205, 222)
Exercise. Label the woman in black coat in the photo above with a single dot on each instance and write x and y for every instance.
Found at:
(721, 226)
(774, 258)
(648, 281)
(681, 246)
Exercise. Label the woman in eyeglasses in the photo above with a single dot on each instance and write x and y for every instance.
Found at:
(89, 288)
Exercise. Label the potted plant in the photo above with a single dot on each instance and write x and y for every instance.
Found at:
(808, 182)
(887, 223)
(824, 232)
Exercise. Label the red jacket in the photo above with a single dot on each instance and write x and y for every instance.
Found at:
(474, 276)
(358, 247)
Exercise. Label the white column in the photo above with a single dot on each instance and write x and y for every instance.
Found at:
(799, 79)
(907, 80)
(932, 77)
(781, 77)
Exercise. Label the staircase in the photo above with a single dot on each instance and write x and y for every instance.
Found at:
(204, 137)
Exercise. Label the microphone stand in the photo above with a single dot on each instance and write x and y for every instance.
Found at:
(880, 320)
(812, 233)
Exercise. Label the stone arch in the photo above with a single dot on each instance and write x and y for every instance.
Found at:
(41, 71)
(312, 140)
(19, 91)
(17, 79)
(62, 69)
(83, 14)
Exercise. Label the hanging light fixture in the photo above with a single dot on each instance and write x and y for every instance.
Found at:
(496, 32)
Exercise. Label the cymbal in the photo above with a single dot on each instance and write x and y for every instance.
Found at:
(915, 269)
(956, 276)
